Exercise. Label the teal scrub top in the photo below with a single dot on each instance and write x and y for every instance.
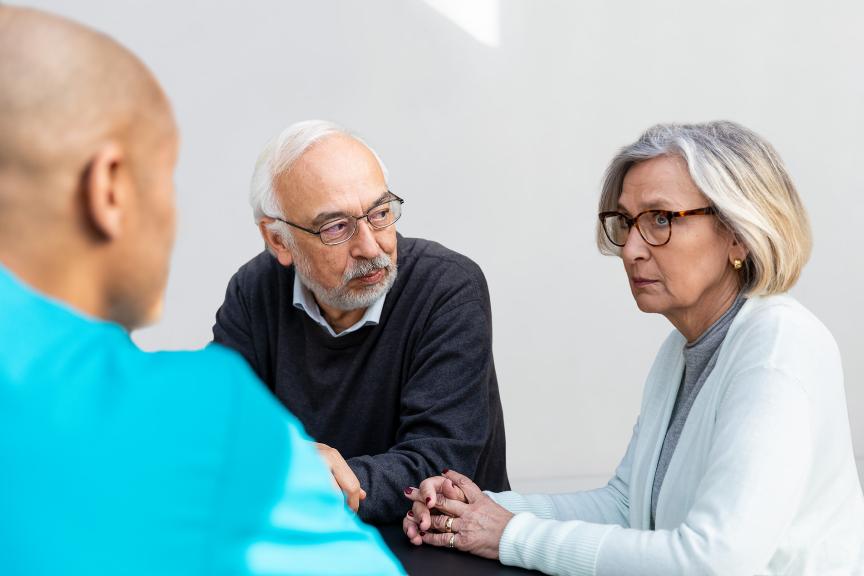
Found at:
(117, 461)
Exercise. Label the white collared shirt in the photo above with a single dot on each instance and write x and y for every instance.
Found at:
(304, 300)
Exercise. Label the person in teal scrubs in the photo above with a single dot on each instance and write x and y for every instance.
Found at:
(113, 460)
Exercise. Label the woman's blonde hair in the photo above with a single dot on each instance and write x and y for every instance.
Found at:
(744, 179)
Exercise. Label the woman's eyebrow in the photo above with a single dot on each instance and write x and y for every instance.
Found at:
(658, 203)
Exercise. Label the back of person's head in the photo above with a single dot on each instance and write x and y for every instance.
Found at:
(745, 180)
(87, 150)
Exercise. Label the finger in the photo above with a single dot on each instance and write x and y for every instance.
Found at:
(427, 490)
(441, 539)
(450, 490)
(450, 506)
(412, 518)
(362, 494)
(412, 531)
(346, 478)
(469, 488)
(411, 493)
(423, 516)
(439, 523)
(335, 482)
(353, 500)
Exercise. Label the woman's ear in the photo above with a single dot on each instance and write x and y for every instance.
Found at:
(737, 251)
(106, 191)
(275, 242)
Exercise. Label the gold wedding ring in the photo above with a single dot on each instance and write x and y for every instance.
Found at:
(452, 543)
(448, 527)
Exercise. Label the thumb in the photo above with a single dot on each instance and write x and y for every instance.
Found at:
(465, 484)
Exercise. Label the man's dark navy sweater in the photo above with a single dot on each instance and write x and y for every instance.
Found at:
(400, 400)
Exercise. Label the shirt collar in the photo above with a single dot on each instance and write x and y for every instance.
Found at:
(305, 301)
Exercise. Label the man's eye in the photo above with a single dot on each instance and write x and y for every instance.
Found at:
(335, 228)
(661, 220)
(380, 215)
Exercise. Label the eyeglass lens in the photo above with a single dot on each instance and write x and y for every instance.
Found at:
(655, 227)
(380, 216)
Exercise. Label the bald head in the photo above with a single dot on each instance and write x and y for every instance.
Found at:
(65, 89)
(87, 151)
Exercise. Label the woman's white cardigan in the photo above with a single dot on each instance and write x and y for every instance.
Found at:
(763, 480)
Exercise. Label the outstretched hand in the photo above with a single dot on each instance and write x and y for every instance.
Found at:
(343, 476)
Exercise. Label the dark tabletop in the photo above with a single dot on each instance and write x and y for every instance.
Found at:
(429, 560)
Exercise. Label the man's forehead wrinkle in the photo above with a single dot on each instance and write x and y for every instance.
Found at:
(322, 183)
(294, 184)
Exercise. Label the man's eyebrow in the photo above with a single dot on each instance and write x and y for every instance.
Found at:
(385, 197)
(325, 217)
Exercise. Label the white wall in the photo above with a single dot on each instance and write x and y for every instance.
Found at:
(498, 141)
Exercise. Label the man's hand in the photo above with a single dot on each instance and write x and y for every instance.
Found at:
(343, 476)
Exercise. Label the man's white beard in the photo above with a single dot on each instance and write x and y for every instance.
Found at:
(342, 297)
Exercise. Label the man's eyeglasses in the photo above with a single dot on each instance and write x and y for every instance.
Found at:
(655, 226)
(343, 229)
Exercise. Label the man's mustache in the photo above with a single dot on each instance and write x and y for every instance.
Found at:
(363, 267)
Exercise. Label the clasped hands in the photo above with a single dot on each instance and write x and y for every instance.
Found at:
(448, 510)
(451, 511)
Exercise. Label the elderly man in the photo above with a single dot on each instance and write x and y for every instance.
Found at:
(391, 372)
(115, 461)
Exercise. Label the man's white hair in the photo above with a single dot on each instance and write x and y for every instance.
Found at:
(279, 157)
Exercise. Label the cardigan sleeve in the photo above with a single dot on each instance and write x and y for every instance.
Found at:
(759, 455)
(607, 505)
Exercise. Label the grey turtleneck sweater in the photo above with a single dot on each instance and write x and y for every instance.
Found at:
(699, 359)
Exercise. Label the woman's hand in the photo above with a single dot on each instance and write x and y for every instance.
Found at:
(432, 490)
(451, 511)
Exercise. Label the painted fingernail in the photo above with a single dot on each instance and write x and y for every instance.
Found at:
(408, 491)
(410, 513)
(422, 533)
(445, 470)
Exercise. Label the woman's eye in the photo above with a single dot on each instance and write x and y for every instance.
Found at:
(661, 220)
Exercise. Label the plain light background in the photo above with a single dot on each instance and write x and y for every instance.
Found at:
(496, 120)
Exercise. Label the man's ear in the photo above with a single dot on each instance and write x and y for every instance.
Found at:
(106, 191)
(275, 243)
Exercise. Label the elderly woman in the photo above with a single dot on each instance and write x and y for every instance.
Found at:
(741, 459)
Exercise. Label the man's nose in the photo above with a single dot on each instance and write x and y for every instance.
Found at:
(364, 244)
